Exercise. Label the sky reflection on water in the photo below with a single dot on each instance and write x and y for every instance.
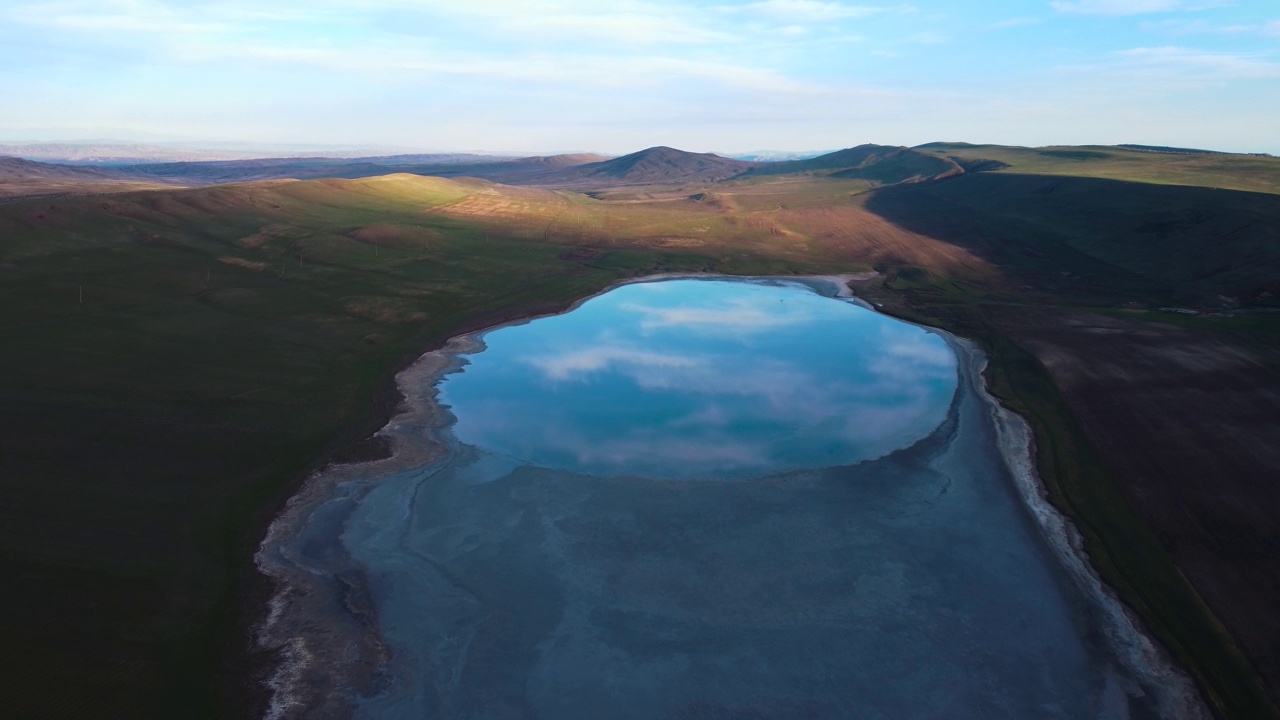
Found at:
(703, 379)
(529, 573)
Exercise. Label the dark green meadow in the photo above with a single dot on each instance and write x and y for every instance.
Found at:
(175, 363)
(1117, 534)
(1153, 427)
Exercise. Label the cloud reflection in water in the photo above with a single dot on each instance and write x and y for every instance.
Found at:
(706, 379)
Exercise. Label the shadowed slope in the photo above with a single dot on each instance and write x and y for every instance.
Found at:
(1186, 244)
(20, 177)
(12, 168)
(1167, 456)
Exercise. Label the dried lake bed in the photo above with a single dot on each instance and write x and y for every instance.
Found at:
(699, 498)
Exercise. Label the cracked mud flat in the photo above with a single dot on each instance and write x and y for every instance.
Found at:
(907, 579)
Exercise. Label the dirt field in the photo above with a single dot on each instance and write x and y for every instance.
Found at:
(1190, 426)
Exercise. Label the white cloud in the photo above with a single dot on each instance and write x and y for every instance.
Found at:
(551, 43)
(410, 64)
(920, 351)
(804, 12)
(1145, 74)
(736, 317)
(672, 454)
(573, 365)
(1197, 65)
(908, 357)
(639, 23)
(115, 16)
(897, 401)
(1181, 27)
(615, 76)
(1126, 7)
(633, 23)
(1015, 22)
(929, 37)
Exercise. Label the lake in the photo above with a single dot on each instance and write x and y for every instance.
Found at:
(705, 498)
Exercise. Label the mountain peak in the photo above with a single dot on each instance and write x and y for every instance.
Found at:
(662, 164)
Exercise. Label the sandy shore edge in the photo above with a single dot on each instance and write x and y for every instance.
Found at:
(1147, 662)
(319, 658)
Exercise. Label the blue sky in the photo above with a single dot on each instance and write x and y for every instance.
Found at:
(564, 75)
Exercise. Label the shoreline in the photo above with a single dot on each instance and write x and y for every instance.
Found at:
(1150, 664)
(296, 632)
(412, 440)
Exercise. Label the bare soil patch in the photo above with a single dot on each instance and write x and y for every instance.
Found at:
(1189, 425)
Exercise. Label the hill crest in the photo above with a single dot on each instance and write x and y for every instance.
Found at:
(661, 164)
(13, 168)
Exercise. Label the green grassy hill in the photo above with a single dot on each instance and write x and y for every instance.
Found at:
(1252, 173)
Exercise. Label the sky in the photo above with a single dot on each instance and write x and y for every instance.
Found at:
(542, 76)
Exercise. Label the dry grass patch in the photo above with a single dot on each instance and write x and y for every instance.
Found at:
(397, 236)
(385, 310)
(241, 262)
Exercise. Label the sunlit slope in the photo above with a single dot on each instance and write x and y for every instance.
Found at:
(173, 358)
(283, 225)
(804, 222)
(1256, 173)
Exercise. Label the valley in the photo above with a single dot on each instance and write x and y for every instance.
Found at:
(178, 359)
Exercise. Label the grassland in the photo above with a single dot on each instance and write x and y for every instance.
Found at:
(1255, 173)
(176, 361)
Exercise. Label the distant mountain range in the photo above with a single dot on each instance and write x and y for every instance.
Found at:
(12, 168)
(109, 152)
(656, 166)
(27, 178)
(882, 164)
(775, 155)
(878, 164)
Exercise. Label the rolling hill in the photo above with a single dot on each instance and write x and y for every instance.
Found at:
(498, 169)
(647, 167)
(655, 166)
(20, 178)
(881, 164)
(16, 169)
(1229, 171)
(874, 165)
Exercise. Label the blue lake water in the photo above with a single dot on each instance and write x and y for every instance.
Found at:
(703, 379)
(717, 499)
